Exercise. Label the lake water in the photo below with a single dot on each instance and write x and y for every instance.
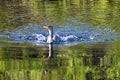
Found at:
(89, 46)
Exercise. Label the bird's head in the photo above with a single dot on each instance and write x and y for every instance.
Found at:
(48, 27)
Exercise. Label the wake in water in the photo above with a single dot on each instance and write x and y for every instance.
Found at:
(64, 35)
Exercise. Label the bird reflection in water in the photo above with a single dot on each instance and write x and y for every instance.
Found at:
(50, 55)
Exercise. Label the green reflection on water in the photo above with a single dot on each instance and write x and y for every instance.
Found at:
(23, 61)
(100, 13)
(98, 61)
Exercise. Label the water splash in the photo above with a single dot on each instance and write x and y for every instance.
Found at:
(67, 35)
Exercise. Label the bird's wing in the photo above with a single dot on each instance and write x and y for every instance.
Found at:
(54, 37)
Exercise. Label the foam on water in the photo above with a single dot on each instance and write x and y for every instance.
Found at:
(64, 35)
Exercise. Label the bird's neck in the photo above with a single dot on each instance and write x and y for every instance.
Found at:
(50, 36)
(50, 33)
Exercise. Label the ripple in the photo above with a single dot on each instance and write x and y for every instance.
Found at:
(64, 35)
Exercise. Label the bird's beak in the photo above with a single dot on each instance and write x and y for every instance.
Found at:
(46, 27)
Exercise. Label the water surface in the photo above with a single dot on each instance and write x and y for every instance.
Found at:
(90, 30)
